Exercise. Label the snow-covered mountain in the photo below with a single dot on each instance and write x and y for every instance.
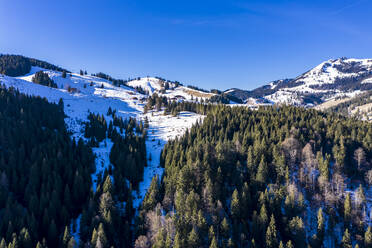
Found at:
(331, 79)
(83, 94)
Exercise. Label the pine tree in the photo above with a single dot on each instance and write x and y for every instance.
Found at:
(213, 243)
(368, 237)
(151, 197)
(101, 236)
(160, 242)
(14, 243)
(320, 228)
(262, 171)
(71, 243)
(93, 240)
(25, 238)
(271, 234)
(193, 239)
(177, 241)
(297, 228)
(211, 233)
(225, 228)
(263, 218)
(66, 236)
(235, 204)
(347, 208)
(201, 224)
(346, 240)
(168, 242)
(2, 243)
(230, 243)
(289, 244)
(107, 185)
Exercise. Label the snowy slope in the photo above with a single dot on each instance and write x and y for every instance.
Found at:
(161, 129)
(177, 92)
(93, 94)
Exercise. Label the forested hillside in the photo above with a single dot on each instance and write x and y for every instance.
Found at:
(17, 65)
(359, 106)
(45, 176)
(107, 220)
(276, 177)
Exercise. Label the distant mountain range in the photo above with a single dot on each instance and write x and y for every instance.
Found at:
(329, 80)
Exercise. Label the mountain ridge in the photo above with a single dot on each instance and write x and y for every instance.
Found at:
(331, 79)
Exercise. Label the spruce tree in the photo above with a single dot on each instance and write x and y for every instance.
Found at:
(151, 197)
(271, 234)
(263, 218)
(262, 171)
(160, 242)
(213, 243)
(93, 240)
(66, 236)
(71, 243)
(235, 204)
(177, 241)
(193, 239)
(225, 228)
(347, 208)
(107, 185)
(346, 239)
(101, 236)
(289, 244)
(320, 229)
(2, 243)
(368, 237)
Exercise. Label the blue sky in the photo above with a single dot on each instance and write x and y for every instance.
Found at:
(211, 44)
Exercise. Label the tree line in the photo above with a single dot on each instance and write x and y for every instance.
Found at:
(17, 65)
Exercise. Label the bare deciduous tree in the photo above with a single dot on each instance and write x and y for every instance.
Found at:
(155, 222)
(142, 242)
(368, 176)
(360, 157)
(309, 164)
(338, 184)
(292, 150)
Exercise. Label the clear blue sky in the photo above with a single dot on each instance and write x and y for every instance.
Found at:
(211, 44)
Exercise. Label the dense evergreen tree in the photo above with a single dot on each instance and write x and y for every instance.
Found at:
(271, 234)
(16, 65)
(42, 171)
(43, 79)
